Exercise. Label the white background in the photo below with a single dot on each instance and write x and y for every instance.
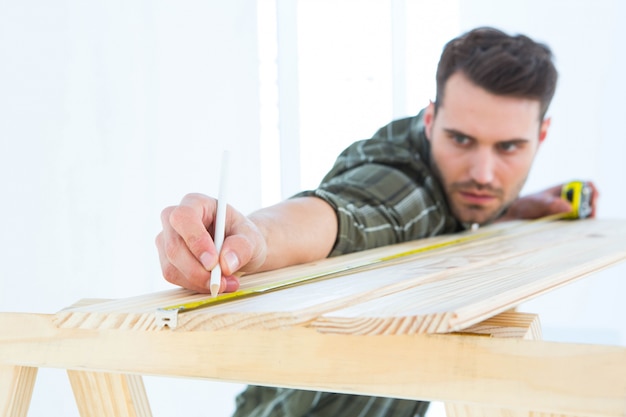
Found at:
(110, 111)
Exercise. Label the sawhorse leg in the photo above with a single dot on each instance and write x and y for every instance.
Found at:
(109, 394)
(16, 390)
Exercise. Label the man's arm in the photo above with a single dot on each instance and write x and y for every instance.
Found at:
(296, 231)
(291, 232)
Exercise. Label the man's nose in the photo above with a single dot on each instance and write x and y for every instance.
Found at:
(483, 166)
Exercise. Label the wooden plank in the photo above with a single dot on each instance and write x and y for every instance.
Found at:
(102, 394)
(586, 380)
(16, 389)
(137, 312)
(464, 410)
(436, 291)
(469, 294)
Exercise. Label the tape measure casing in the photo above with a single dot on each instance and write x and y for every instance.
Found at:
(579, 194)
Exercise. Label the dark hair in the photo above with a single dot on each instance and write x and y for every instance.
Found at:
(501, 64)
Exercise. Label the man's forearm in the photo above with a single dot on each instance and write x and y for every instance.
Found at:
(297, 231)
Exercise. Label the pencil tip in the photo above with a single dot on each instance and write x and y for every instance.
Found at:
(215, 280)
(215, 289)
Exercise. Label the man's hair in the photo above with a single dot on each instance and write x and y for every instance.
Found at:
(502, 64)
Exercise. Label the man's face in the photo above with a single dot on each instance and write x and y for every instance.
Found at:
(483, 146)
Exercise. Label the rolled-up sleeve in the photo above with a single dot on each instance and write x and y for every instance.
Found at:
(383, 190)
(378, 205)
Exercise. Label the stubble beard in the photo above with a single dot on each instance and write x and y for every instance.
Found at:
(474, 213)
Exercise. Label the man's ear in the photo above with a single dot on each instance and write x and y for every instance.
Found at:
(543, 130)
(429, 119)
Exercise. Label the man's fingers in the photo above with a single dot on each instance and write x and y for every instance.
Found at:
(187, 251)
(178, 265)
(191, 220)
(229, 284)
(559, 205)
(242, 251)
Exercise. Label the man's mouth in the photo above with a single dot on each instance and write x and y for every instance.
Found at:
(476, 197)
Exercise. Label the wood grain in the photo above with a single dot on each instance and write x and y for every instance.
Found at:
(546, 377)
(103, 394)
(511, 325)
(16, 389)
(436, 291)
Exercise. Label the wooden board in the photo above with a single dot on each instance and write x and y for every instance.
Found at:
(438, 291)
(569, 379)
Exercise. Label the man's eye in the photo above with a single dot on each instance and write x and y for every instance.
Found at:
(508, 146)
(460, 139)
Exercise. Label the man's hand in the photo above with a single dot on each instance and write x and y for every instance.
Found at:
(187, 252)
(295, 231)
(544, 203)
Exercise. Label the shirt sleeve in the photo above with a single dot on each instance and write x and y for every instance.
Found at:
(383, 191)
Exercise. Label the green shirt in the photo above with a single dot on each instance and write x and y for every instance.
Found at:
(383, 191)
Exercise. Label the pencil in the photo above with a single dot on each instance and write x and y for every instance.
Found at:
(220, 225)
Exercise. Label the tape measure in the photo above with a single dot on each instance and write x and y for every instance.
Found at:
(579, 194)
(168, 316)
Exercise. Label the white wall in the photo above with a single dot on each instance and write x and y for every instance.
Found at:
(109, 111)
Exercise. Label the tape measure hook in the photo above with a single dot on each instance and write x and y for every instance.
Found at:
(167, 317)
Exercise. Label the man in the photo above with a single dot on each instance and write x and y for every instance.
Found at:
(462, 161)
